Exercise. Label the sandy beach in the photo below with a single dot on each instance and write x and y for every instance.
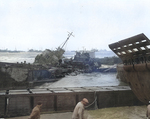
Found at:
(127, 112)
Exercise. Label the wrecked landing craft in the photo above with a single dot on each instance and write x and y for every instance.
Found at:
(51, 60)
(22, 75)
(135, 70)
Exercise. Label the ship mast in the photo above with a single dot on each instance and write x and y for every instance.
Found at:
(70, 34)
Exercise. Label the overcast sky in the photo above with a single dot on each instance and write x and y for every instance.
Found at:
(44, 24)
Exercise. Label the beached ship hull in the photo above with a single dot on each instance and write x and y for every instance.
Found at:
(17, 76)
(138, 78)
(135, 70)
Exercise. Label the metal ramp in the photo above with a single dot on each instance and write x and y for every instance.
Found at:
(133, 50)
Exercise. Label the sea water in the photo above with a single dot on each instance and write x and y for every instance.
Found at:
(86, 80)
(13, 57)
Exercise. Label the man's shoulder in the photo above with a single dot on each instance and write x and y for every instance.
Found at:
(80, 104)
(36, 109)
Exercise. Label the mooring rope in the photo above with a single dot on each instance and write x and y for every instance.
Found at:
(95, 101)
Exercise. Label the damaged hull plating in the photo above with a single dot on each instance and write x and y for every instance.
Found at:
(135, 70)
(16, 75)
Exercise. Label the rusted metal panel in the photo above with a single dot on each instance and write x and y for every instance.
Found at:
(137, 77)
(2, 106)
(135, 84)
(117, 98)
(121, 99)
(148, 66)
(128, 68)
(120, 73)
(47, 101)
(18, 105)
(65, 101)
(106, 99)
(140, 67)
(144, 82)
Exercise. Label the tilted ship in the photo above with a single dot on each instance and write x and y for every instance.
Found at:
(47, 67)
(135, 70)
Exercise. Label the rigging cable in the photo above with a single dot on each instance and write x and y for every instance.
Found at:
(95, 101)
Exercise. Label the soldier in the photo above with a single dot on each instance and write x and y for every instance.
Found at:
(78, 112)
(35, 114)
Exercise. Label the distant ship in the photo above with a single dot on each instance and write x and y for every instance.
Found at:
(11, 51)
(32, 50)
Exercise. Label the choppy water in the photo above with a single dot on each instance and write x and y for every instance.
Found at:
(18, 57)
(88, 79)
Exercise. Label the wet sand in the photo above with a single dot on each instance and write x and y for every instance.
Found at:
(127, 112)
